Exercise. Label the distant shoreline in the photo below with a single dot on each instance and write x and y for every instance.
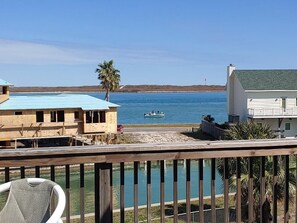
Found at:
(123, 89)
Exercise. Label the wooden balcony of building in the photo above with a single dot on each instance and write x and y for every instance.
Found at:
(101, 161)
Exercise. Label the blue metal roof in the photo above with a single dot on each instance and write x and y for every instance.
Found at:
(61, 101)
(5, 83)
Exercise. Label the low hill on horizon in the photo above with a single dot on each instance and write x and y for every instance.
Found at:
(124, 88)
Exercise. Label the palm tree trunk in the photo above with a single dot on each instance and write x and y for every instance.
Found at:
(107, 95)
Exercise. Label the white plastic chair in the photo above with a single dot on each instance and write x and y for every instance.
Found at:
(58, 191)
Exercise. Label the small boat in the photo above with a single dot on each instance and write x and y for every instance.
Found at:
(154, 114)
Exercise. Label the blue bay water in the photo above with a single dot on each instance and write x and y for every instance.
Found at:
(155, 190)
(178, 107)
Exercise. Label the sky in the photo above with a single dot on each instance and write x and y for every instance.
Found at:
(189, 42)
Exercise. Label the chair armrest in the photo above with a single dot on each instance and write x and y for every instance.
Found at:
(56, 215)
(5, 187)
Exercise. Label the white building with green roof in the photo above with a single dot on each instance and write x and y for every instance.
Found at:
(264, 96)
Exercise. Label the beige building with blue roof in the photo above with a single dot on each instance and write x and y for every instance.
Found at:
(52, 115)
(264, 96)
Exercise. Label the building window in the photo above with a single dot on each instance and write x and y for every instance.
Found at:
(284, 104)
(95, 117)
(287, 126)
(18, 113)
(89, 117)
(61, 116)
(76, 115)
(4, 90)
(57, 116)
(39, 116)
(102, 117)
(53, 116)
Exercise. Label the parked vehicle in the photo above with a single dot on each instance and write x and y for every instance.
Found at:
(120, 128)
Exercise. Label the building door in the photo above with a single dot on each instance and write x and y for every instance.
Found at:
(289, 129)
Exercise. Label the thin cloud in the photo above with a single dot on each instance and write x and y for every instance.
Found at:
(21, 52)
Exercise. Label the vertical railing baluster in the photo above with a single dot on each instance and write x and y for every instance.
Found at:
(122, 192)
(238, 190)
(226, 190)
(23, 174)
(136, 192)
(201, 193)
(53, 174)
(110, 173)
(82, 192)
(67, 182)
(213, 191)
(262, 187)
(175, 195)
(275, 174)
(97, 192)
(286, 200)
(7, 174)
(148, 190)
(37, 171)
(251, 190)
(188, 190)
(53, 178)
(162, 191)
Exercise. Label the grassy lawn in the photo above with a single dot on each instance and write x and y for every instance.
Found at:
(155, 212)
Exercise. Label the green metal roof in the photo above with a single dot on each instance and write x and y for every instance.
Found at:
(61, 101)
(267, 79)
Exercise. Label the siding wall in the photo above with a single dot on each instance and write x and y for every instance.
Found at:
(273, 123)
(271, 99)
(240, 100)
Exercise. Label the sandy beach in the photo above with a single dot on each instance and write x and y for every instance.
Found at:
(163, 134)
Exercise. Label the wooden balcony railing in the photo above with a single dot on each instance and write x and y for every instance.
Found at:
(51, 162)
(272, 112)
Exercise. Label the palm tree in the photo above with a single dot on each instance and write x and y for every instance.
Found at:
(257, 182)
(109, 77)
(208, 118)
(251, 130)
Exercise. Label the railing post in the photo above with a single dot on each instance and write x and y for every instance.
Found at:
(103, 192)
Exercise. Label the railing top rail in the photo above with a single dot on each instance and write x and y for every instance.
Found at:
(151, 147)
(143, 152)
